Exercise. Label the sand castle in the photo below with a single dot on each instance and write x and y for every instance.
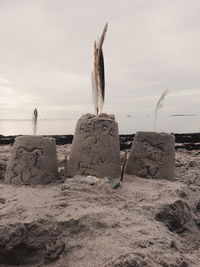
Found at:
(152, 156)
(33, 161)
(95, 147)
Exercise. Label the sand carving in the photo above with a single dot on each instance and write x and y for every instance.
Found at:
(95, 148)
(33, 161)
(152, 156)
(26, 164)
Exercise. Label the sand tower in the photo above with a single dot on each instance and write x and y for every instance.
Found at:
(33, 160)
(153, 153)
(95, 147)
(152, 156)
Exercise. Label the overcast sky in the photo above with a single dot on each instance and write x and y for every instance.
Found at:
(46, 56)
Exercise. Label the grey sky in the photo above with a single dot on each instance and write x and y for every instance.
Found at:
(46, 56)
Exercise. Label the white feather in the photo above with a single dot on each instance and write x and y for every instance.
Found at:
(160, 105)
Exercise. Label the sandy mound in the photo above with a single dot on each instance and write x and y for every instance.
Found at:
(141, 223)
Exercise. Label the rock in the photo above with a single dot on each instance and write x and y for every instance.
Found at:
(115, 184)
(152, 156)
(33, 161)
(95, 148)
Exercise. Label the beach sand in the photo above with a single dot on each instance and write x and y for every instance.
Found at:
(72, 223)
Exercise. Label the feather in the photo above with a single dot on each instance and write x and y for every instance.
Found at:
(94, 93)
(101, 75)
(35, 121)
(98, 75)
(160, 105)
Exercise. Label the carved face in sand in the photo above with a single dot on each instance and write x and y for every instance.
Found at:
(27, 164)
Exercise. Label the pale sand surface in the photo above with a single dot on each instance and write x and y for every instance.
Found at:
(94, 225)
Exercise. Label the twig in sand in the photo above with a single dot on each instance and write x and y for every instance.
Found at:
(123, 165)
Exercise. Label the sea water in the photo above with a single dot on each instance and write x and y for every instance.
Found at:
(127, 125)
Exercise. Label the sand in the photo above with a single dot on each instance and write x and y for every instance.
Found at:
(143, 222)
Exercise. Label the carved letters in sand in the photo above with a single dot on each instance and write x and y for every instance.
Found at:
(95, 148)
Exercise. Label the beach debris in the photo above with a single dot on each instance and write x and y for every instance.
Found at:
(91, 180)
(65, 186)
(68, 183)
(114, 182)
(98, 75)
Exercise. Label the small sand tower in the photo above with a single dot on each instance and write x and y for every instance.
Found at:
(33, 159)
(153, 154)
(95, 147)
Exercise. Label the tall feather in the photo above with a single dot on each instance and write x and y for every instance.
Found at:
(98, 74)
(160, 105)
(94, 93)
(35, 121)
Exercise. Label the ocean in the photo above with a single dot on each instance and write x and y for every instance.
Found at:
(127, 125)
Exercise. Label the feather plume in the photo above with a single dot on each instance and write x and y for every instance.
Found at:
(98, 74)
(160, 105)
(35, 121)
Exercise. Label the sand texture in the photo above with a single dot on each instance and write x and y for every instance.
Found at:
(144, 222)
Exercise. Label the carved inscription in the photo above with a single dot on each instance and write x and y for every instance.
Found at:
(26, 164)
(151, 160)
(95, 149)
